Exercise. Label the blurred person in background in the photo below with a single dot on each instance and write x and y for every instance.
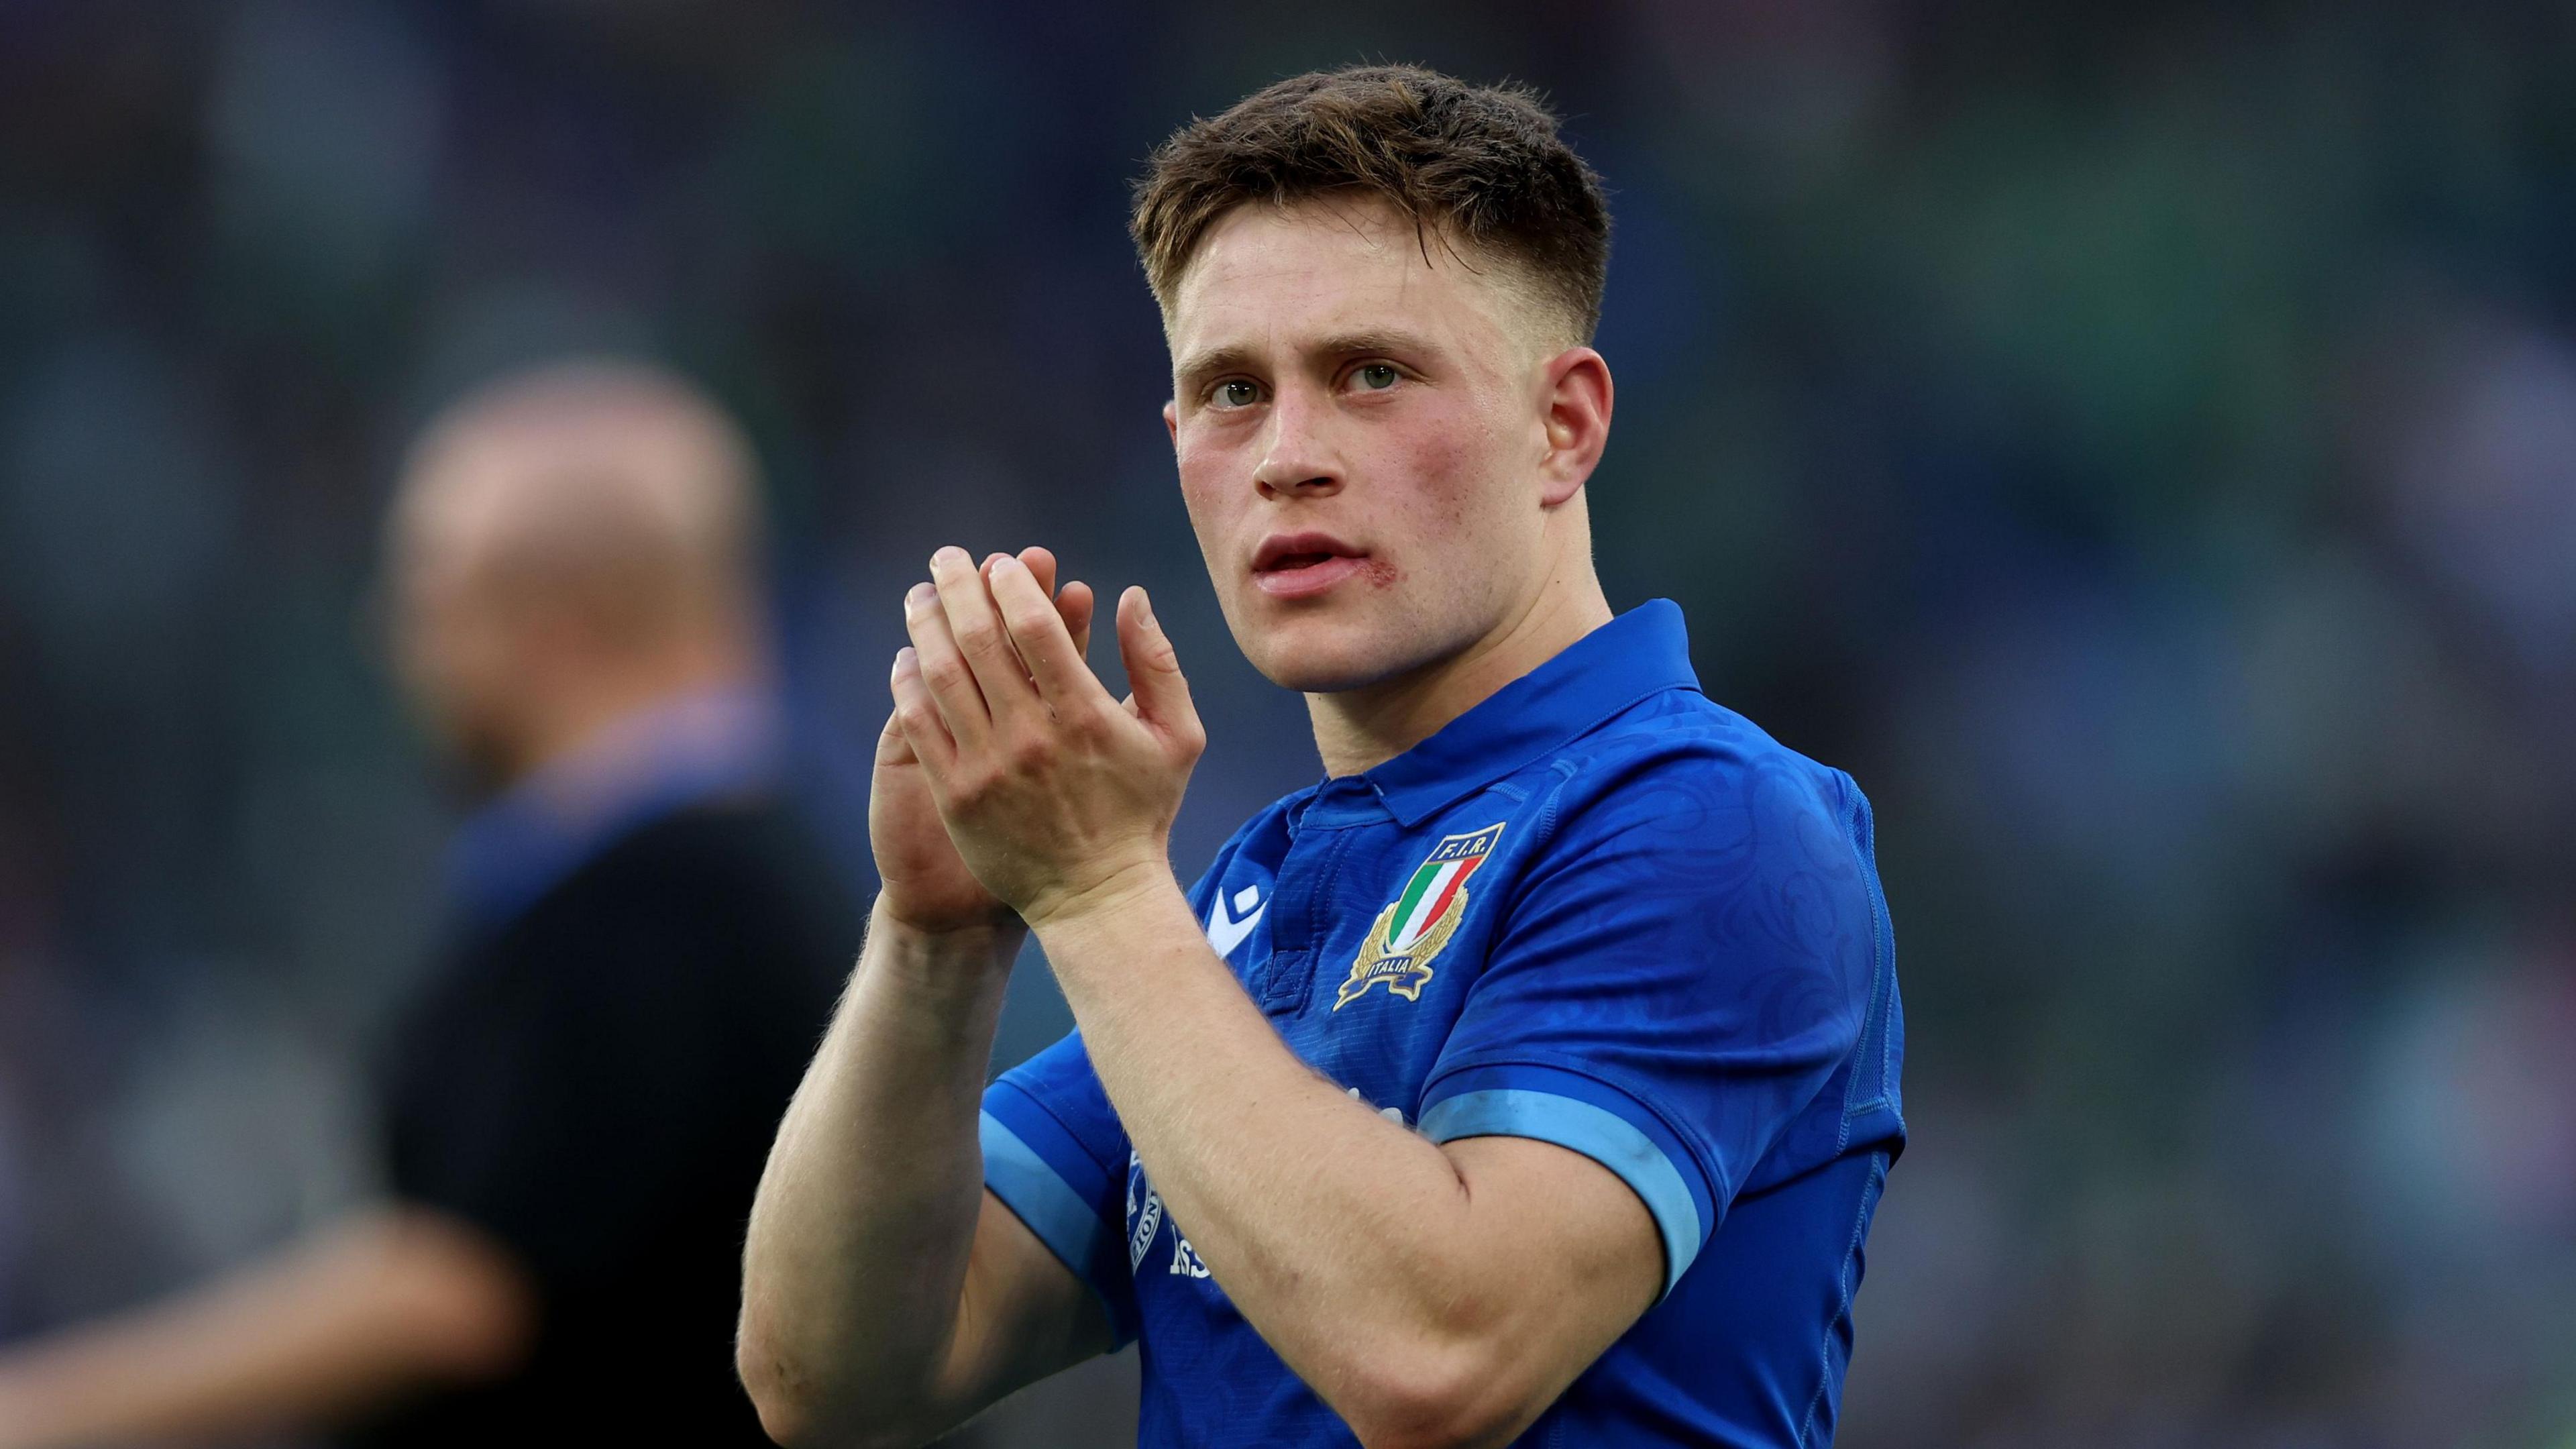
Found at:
(644, 944)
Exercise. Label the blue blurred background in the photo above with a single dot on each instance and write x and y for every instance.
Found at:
(2137, 441)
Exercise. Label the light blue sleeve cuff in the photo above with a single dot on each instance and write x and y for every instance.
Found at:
(1593, 1131)
(1044, 1201)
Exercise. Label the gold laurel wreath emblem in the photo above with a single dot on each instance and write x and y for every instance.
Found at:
(1405, 972)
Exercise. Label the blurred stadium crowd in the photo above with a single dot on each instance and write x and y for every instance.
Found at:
(2137, 441)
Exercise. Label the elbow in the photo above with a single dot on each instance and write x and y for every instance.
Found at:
(792, 1406)
(780, 1395)
(796, 1424)
(798, 1409)
(786, 1421)
(1449, 1396)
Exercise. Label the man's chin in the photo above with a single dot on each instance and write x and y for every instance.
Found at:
(1310, 664)
(1349, 641)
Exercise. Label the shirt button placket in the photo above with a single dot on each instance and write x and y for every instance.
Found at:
(1296, 925)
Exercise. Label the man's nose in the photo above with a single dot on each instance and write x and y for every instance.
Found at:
(1297, 457)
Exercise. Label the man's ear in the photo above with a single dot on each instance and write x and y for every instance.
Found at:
(1172, 419)
(1576, 392)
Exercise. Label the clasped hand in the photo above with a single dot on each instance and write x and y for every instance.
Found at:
(1058, 797)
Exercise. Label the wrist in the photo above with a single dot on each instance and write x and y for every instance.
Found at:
(970, 957)
(1123, 893)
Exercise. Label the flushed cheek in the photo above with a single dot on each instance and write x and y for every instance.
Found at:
(1454, 458)
(1443, 493)
(1215, 518)
(1213, 466)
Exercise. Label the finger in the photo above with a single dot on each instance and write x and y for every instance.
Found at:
(892, 747)
(1162, 696)
(1041, 562)
(1076, 604)
(1045, 577)
(916, 719)
(1038, 632)
(977, 628)
(953, 691)
(1073, 601)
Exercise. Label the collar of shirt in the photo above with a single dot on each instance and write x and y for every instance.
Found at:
(1639, 654)
(647, 765)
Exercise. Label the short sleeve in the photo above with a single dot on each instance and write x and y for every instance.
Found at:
(1056, 1156)
(1680, 972)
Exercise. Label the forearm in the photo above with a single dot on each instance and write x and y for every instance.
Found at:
(860, 1236)
(388, 1301)
(1280, 1212)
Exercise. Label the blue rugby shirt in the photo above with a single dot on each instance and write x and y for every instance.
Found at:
(1596, 910)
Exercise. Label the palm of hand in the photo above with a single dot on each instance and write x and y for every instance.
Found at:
(925, 881)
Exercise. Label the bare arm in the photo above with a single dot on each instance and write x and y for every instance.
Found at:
(394, 1299)
(886, 1297)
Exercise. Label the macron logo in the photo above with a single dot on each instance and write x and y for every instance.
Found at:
(1233, 919)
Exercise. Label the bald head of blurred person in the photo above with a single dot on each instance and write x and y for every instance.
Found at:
(643, 943)
(567, 547)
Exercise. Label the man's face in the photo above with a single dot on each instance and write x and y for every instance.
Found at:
(459, 645)
(1359, 433)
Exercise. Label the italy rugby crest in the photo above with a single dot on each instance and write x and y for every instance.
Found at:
(1417, 925)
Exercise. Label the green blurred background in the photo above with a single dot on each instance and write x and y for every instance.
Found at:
(2138, 441)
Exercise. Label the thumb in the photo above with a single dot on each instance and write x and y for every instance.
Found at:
(893, 748)
(1162, 696)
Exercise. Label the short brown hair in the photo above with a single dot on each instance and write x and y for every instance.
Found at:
(1478, 165)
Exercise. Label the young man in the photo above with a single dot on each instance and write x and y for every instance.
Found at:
(1532, 1075)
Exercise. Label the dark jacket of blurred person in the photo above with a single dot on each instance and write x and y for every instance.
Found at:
(644, 947)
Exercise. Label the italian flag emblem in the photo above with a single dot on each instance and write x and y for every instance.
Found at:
(1416, 926)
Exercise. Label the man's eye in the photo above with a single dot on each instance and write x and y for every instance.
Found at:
(1236, 394)
(1376, 377)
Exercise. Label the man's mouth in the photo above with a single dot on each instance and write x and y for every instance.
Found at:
(1301, 565)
